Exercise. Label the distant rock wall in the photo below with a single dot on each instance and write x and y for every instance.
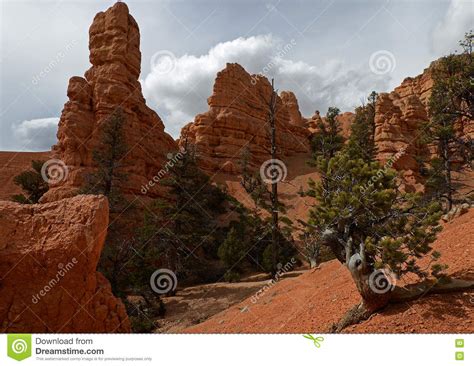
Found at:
(48, 260)
(398, 117)
(345, 120)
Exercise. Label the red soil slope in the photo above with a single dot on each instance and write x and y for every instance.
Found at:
(13, 163)
(298, 174)
(316, 299)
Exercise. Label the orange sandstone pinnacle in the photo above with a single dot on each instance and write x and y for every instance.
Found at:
(111, 82)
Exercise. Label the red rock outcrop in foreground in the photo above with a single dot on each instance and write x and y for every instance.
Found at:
(112, 81)
(238, 119)
(48, 259)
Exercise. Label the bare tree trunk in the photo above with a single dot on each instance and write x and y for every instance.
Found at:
(274, 194)
(447, 168)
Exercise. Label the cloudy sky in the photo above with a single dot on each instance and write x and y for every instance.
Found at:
(328, 52)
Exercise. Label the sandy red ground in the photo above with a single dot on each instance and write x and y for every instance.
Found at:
(318, 298)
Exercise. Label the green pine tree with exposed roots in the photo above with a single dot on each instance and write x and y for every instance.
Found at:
(378, 232)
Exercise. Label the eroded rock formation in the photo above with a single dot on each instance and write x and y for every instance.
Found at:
(237, 120)
(111, 82)
(398, 119)
(345, 120)
(398, 116)
(289, 100)
(48, 259)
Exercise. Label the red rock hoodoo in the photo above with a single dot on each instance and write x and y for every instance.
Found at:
(111, 82)
(289, 100)
(237, 119)
(48, 259)
(398, 117)
(345, 120)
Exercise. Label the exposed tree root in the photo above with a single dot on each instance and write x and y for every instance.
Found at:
(355, 315)
(362, 311)
(413, 292)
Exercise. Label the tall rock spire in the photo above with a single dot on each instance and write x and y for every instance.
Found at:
(111, 82)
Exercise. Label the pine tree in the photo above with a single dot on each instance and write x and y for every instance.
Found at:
(361, 141)
(107, 177)
(32, 183)
(328, 139)
(273, 248)
(231, 252)
(369, 225)
(265, 197)
(190, 220)
(451, 104)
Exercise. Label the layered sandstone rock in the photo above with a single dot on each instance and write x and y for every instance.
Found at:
(237, 121)
(111, 82)
(48, 259)
(345, 120)
(398, 116)
(289, 100)
(313, 122)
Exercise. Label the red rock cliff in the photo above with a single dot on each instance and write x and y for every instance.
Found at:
(237, 120)
(398, 117)
(111, 82)
(48, 259)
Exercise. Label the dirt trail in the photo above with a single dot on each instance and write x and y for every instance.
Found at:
(193, 305)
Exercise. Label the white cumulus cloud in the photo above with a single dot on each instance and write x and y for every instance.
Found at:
(458, 20)
(178, 88)
(37, 134)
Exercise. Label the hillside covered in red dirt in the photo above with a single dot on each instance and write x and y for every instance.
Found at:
(314, 300)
